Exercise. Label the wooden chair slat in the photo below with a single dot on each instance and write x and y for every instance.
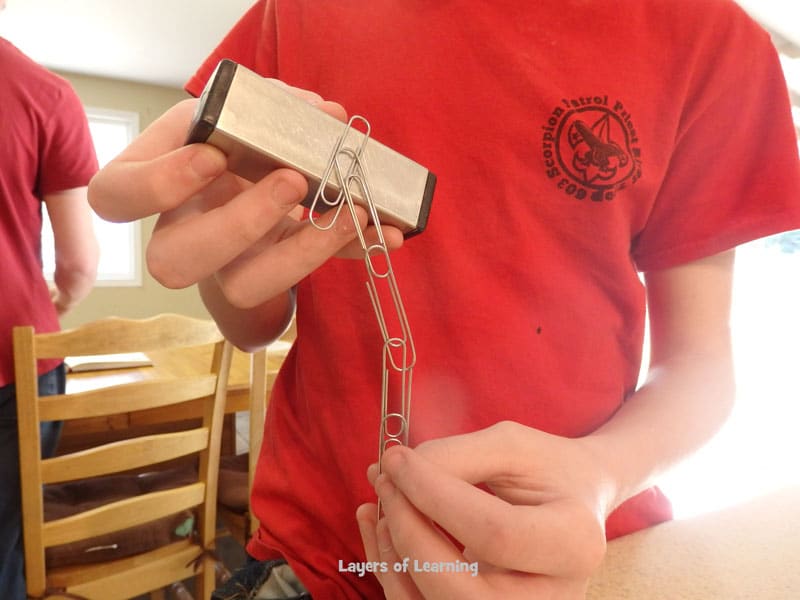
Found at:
(114, 335)
(122, 514)
(123, 455)
(129, 577)
(127, 397)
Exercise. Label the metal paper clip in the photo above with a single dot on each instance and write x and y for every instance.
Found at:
(347, 166)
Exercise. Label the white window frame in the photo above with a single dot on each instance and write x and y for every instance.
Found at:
(127, 270)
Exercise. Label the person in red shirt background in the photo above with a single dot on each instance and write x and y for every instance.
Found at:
(46, 159)
(576, 145)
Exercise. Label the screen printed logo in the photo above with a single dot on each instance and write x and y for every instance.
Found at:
(590, 148)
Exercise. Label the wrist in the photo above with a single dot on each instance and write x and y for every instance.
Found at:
(61, 303)
(251, 328)
(603, 480)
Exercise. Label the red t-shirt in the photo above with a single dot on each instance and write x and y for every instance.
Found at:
(574, 143)
(45, 147)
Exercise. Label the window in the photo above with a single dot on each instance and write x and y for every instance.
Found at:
(757, 449)
(120, 243)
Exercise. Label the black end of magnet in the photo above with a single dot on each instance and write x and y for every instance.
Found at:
(212, 100)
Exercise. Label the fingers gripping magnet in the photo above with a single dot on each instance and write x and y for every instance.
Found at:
(261, 126)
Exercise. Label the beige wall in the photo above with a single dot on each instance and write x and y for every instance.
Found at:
(149, 298)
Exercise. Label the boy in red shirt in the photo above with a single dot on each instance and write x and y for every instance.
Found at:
(572, 153)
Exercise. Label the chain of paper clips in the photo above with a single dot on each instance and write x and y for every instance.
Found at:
(347, 166)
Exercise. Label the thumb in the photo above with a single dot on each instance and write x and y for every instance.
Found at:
(130, 190)
(156, 172)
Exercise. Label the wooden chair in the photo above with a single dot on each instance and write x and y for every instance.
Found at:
(154, 569)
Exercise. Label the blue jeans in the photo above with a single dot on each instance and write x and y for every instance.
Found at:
(12, 572)
(267, 580)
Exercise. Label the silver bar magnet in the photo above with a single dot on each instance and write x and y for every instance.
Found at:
(260, 126)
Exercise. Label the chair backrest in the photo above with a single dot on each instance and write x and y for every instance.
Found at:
(136, 575)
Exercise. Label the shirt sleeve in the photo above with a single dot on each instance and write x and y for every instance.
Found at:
(734, 174)
(251, 42)
(68, 158)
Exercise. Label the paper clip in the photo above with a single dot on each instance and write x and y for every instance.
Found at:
(398, 356)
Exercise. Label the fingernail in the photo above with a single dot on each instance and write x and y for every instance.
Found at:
(372, 472)
(384, 487)
(285, 193)
(383, 537)
(207, 163)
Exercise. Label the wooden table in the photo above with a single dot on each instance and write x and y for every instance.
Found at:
(84, 432)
